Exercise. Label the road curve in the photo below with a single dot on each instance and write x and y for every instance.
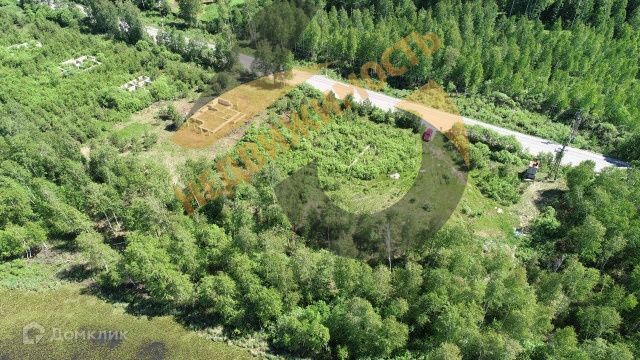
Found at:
(533, 144)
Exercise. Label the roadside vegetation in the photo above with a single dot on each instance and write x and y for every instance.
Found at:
(494, 55)
(87, 200)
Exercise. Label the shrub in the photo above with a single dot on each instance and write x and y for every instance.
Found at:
(479, 155)
(222, 82)
(507, 158)
(546, 225)
(407, 120)
(124, 101)
(503, 99)
(302, 332)
(169, 113)
(67, 17)
(378, 116)
(149, 139)
(22, 274)
(119, 142)
(161, 89)
(495, 141)
(164, 7)
(502, 185)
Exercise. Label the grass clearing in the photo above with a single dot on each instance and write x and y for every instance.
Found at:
(211, 11)
(132, 131)
(166, 151)
(367, 198)
(345, 158)
(69, 309)
(537, 195)
(52, 290)
(486, 217)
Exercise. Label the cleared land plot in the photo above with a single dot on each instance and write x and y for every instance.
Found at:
(215, 117)
(166, 151)
(247, 99)
(83, 63)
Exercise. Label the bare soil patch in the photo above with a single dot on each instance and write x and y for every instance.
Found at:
(173, 156)
(247, 101)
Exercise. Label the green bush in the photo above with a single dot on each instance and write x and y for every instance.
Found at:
(21, 274)
(222, 82)
(169, 113)
(495, 141)
(162, 89)
(407, 120)
(18, 240)
(149, 139)
(501, 184)
(479, 155)
(507, 158)
(125, 101)
(302, 331)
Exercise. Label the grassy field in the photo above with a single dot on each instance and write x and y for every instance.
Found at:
(397, 150)
(53, 291)
(67, 308)
(354, 158)
(210, 11)
(486, 217)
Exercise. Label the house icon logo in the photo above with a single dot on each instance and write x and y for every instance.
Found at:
(32, 333)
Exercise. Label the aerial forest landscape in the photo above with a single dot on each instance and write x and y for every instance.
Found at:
(320, 179)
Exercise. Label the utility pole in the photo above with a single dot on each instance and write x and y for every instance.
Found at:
(560, 154)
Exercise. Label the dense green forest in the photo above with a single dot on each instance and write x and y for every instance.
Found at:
(557, 58)
(567, 288)
(554, 58)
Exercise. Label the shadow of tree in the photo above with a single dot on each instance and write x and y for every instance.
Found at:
(549, 197)
(138, 302)
(76, 273)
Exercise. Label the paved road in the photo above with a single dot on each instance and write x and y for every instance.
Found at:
(534, 145)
